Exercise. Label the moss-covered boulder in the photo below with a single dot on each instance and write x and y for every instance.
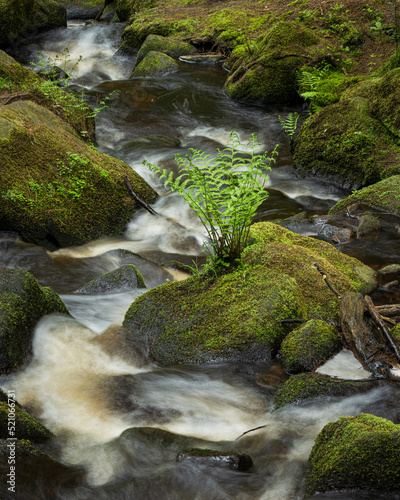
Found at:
(123, 279)
(22, 303)
(361, 452)
(384, 195)
(155, 64)
(268, 75)
(126, 8)
(24, 425)
(234, 317)
(169, 46)
(305, 387)
(27, 17)
(57, 190)
(136, 33)
(308, 346)
(345, 143)
(383, 96)
(283, 251)
(34, 474)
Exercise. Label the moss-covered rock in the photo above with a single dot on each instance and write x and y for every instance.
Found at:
(345, 143)
(36, 474)
(57, 190)
(384, 195)
(123, 279)
(282, 251)
(24, 426)
(268, 75)
(383, 96)
(22, 303)
(136, 33)
(155, 64)
(368, 226)
(169, 46)
(234, 317)
(304, 387)
(361, 452)
(308, 346)
(126, 8)
(27, 17)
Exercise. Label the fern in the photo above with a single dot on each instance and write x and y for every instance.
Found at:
(225, 192)
(290, 124)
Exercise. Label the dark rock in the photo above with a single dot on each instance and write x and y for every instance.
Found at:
(123, 279)
(233, 460)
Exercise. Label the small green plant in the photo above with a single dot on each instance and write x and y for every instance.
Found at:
(225, 192)
(290, 125)
(308, 82)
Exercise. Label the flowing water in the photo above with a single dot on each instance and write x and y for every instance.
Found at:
(85, 385)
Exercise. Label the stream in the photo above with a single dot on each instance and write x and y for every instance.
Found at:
(86, 390)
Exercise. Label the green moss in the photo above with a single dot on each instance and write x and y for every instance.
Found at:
(155, 64)
(55, 189)
(179, 322)
(268, 74)
(361, 452)
(124, 278)
(346, 143)
(283, 251)
(309, 345)
(167, 46)
(22, 303)
(303, 387)
(26, 427)
(19, 17)
(384, 195)
(137, 32)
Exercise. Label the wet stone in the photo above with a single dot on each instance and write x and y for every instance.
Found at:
(343, 236)
(232, 460)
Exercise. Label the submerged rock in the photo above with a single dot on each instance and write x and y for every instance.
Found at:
(123, 279)
(361, 452)
(22, 303)
(232, 460)
(306, 347)
(155, 64)
(368, 226)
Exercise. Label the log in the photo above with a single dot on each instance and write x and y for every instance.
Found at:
(136, 197)
(362, 337)
(389, 310)
(387, 337)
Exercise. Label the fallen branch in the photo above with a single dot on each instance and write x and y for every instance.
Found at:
(136, 197)
(389, 310)
(383, 328)
(326, 279)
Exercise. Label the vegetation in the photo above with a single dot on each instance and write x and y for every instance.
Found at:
(224, 191)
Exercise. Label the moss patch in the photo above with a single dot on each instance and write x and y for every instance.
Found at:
(22, 303)
(309, 346)
(236, 316)
(56, 190)
(167, 46)
(283, 251)
(26, 427)
(303, 387)
(384, 195)
(361, 452)
(155, 64)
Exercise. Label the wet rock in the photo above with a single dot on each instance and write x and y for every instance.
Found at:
(203, 59)
(22, 303)
(28, 18)
(85, 199)
(123, 279)
(388, 273)
(360, 452)
(268, 76)
(383, 195)
(328, 231)
(343, 142)
(150, 142)
(343, 236)
(305, 387)
(168, 46)
(155, 64)
(310, 345)
(233, 460)
(368, 226)
(25, 426)
(37, 475)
